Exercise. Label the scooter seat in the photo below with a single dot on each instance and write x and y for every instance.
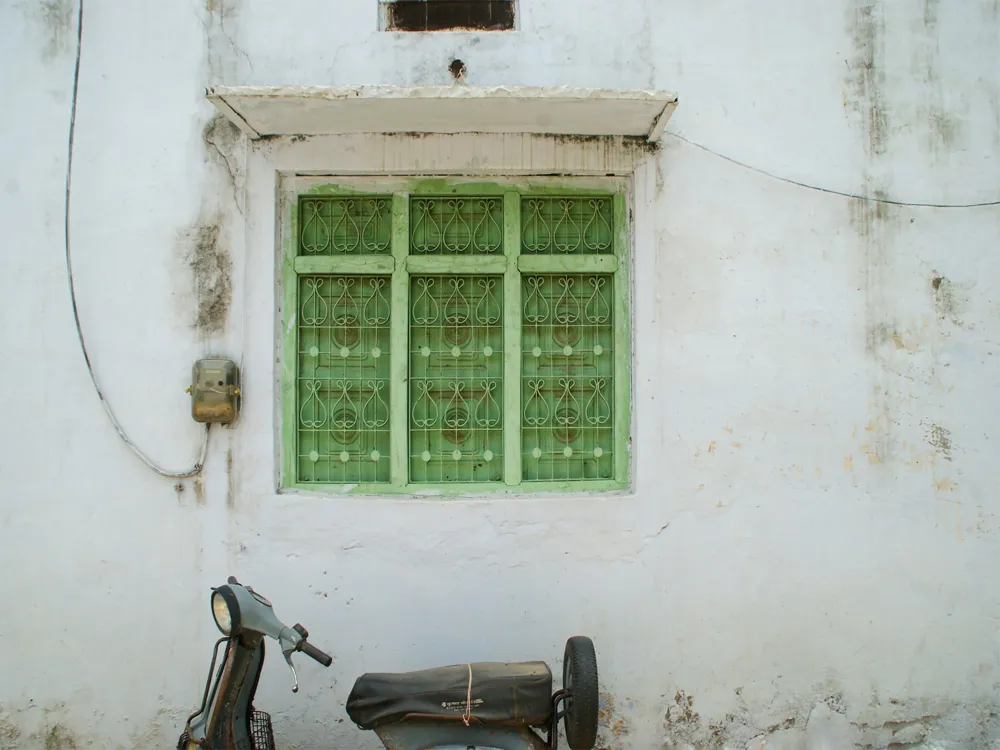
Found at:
(509, 694)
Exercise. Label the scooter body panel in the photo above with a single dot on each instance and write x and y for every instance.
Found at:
(434, 735)
(226, 722)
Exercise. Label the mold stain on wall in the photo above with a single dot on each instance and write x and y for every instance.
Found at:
(873, 221)
(682, 722)
(9, 734)
(225, 144)
(613, 728)
(230, 479)
(211, 268)
(60, 738)
(866, 78)
(56, 19)
(949, 300)
(943, 130)
(199, 491)
(939, 439)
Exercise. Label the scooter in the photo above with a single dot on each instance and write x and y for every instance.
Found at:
(477, 706)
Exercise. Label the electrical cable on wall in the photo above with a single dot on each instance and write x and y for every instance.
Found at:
(196, 469)
(890, 201)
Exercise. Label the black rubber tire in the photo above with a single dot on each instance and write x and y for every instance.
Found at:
(580, 678)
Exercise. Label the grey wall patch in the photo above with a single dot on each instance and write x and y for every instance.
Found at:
(9, 734)
(939, 439)
(226, 144)
(212, 269)
(60, 738)
(56, 17)
(949, 300)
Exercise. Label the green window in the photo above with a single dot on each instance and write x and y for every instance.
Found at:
(456, 337)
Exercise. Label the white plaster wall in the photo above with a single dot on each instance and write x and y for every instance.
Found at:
(813, 520)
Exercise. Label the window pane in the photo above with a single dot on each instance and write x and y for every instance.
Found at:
(456, 225)
(456, 378)
(566, 225)
(439, 15)
(345, 226)
(567, 377)
(343, 379)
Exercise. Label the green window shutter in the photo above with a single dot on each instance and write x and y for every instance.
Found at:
(345, 226)
(456, 379)
(477, 338)
(567, 377)
(568, 389)
(456, 342)
(343, 379)
(467, 225)
(566, 225)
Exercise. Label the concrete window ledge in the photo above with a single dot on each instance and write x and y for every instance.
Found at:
(261, 111)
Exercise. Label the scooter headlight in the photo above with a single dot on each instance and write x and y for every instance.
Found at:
(226, 610)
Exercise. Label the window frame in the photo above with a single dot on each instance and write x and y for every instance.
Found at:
(400, 265)
(386, 12)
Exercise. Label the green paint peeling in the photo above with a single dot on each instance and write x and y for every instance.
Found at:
(445, 281)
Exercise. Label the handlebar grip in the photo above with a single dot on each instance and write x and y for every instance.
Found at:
(311, 651)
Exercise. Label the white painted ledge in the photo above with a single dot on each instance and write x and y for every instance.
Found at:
(338, 110)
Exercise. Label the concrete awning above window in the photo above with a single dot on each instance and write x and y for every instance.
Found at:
(333, 110)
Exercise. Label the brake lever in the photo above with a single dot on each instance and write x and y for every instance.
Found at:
(295, 677)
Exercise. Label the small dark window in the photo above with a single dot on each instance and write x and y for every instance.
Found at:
(445, 15)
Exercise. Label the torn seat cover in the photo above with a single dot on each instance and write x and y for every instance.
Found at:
(510, 694)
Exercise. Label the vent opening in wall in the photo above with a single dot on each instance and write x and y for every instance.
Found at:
(448, 15)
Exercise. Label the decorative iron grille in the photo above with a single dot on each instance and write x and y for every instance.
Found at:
(456, 379)
(343, 379)
(399, 310)
(567, 377)
(456, 226)
(568, 225)
(345, 226)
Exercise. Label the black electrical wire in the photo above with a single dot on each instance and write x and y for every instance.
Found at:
(196, 469)
(891, 202)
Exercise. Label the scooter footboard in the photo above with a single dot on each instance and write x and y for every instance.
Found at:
(433, 735)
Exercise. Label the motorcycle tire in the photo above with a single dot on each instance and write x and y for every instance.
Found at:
(580, 680)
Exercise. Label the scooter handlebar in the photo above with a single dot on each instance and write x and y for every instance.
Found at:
(311, 651)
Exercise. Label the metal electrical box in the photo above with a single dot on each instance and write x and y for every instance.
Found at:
(215, 391)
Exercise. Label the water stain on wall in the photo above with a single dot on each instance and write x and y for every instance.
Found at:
(682, 722)
(199, 491)
(868, 216)
(212, 268)
(226, 144)
(230, 479)
(939, 439)
(59, 737)
(874, 222)
(9, 735)
(222, 7)
(56, 18)
(866, 78)
(949, 300)
(612, 726)
(943, 129)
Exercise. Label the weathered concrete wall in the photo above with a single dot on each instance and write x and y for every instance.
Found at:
(809, 546)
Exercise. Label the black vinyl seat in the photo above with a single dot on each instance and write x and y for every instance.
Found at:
(508, 694)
